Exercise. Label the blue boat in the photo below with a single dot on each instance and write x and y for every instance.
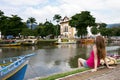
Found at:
(14, 68)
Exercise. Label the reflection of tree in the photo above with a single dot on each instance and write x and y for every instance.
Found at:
(57, 62)
(81, 51)
(73, 62)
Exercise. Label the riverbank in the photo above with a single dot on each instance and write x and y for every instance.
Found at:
(85, 74)
(101, 74)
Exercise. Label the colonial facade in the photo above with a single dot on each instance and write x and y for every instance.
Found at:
(66, 30)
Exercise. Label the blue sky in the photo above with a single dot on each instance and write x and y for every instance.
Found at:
(107, 11)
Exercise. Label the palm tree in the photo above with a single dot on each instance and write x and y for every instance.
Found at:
(31, 20)
(57, 18)
(1, 13)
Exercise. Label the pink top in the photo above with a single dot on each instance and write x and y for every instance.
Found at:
(90, 60)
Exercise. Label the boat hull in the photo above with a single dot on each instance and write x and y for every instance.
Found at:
(65, 42)
(17, 73)
(10, 45)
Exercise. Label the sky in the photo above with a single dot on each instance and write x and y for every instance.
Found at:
(106, 11)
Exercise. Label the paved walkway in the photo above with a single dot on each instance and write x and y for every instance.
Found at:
(101, 74)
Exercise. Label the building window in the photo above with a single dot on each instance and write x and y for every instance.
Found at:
(66, 29)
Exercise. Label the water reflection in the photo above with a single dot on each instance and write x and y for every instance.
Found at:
(6, 52)
(60, 58)
(57, 59)
(51, 59)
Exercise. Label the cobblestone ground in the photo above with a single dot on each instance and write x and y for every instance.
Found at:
(101, 74)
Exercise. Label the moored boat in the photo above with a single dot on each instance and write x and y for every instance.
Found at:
(28, 42)
(9, 43)
(87, 41)
(66, 41)
(13, 68)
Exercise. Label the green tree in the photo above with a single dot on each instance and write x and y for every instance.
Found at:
(116, 31)
(16, 25)
(81, 21)
(2, 18)
(103, 30)
(11, 25)
(94, 30)
(40, 31)
(49, 28)
(41, 24)
(102, 25)
(57, 18)
(4, 25)
(45, 29)
(27, 32)
(98, 28)
(1, 13)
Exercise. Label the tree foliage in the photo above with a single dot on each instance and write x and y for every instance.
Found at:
(99, 27)
(11, 25)
(1, 13)
(81, 21)
(57, 18)
(46, 29)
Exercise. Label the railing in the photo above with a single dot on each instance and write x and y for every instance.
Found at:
(9, 60)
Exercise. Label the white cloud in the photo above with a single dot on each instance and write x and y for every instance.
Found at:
(23, 2)
(103, 10)
(113, 4)
(41, 14)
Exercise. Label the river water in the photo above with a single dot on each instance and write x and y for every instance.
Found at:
(51, 59)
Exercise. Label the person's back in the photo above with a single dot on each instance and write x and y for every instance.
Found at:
(90, 60)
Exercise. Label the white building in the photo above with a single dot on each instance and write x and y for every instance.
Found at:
(66, 30)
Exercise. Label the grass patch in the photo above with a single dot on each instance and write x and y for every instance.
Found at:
(56, 76)
(118, 60)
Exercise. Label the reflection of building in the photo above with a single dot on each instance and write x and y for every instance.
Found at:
(65, 29)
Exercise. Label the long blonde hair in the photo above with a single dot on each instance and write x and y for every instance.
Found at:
(100, 44)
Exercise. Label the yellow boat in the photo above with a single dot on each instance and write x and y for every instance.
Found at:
(9, 43)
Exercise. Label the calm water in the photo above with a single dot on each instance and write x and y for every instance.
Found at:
(53, 59)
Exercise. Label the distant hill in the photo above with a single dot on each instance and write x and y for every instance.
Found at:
(113, 25)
